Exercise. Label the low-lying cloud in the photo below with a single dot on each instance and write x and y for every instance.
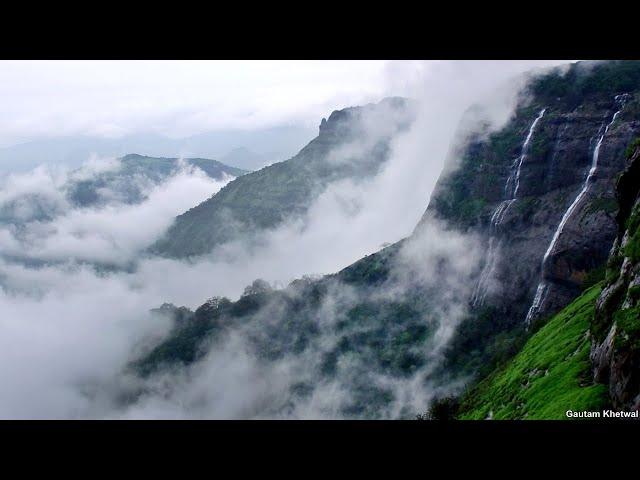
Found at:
(45, 226)
(68, 329)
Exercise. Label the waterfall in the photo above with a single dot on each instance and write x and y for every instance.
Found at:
(524, 151)
(510, 191)
(543, 288)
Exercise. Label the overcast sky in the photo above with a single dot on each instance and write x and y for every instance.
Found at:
(181, 98)
(177, 98)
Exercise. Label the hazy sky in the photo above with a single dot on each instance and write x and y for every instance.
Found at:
(181, 98)
(178, 98)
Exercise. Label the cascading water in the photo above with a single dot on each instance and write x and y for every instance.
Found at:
(510, 191)
(516, 182)
(543, 287)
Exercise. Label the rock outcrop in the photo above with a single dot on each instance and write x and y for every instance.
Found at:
(615, 329)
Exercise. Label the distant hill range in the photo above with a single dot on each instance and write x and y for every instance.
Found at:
(137, 171)
(127, 181)
(246, 149)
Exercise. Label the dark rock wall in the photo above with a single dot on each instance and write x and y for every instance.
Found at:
(615, 329)
(553, 173)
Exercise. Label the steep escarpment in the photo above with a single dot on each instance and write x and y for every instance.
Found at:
(518, 195)
(542, 194)
(587, 356)
(352, 144)
(616, 326)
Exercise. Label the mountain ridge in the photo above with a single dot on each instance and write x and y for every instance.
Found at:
(153, 169)
(264, 199)
(72, 151)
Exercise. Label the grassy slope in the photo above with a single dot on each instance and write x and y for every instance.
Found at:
(548, 377)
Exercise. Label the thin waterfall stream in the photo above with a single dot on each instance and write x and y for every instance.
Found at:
(510, 191)
(543, 287)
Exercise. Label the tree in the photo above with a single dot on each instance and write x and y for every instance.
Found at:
(445, 408)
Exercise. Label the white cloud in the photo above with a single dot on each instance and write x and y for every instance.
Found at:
(177, 98)
(113, 234)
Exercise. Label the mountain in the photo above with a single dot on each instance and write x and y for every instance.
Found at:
(352, 144)
(270, 144)
(337, 333)
(135, 172)
(540, 194)
(265, 145)
(37, 208)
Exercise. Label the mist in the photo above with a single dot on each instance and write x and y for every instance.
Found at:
(69, 328)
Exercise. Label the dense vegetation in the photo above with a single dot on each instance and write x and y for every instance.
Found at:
(587, 78)
(360, 330)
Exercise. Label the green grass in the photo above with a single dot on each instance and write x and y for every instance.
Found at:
(632, 147)
(549, 376)
(628, 322)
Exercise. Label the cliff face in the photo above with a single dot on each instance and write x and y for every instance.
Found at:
(616, 327)
(587, 356)
(353, 143)
(542, 192)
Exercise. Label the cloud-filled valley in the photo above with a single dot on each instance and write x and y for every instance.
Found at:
(78, 282)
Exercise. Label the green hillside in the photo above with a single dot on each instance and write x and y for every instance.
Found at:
(548, 377)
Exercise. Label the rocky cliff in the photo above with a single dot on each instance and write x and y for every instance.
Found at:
(541, 192)
(616, 327)
(587, 357)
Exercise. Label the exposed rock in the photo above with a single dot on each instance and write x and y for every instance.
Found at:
(616, 357)
(551, 177)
